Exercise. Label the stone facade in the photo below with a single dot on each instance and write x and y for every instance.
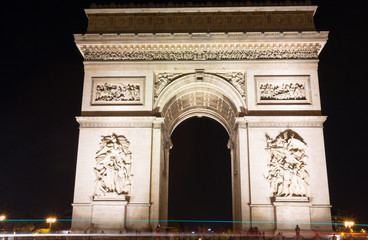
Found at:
(141, 83)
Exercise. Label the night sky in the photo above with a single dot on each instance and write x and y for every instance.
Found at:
(41, 82)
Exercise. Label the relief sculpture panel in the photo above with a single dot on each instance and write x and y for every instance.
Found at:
(287, 165)
(283, 89)
(115, 91)
(113, 168)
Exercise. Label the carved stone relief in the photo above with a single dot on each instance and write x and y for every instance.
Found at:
(108, 92)
(283, 89)
(204, 100)
(287, 173)
(292, 91)
(163, 79)
(120, 90)
(91, 54)
(234, 78)
(113, 167)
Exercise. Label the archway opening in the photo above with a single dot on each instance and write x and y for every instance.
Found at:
(200, 176)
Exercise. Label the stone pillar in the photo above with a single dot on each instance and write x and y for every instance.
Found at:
(164, 186)
(156, 173)
(241, 180)
(288, 173)
(161, 145)
(98, 201)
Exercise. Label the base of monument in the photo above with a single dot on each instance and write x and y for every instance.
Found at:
(110, 197)
(292, 211)
(302, 235)
(291, 199)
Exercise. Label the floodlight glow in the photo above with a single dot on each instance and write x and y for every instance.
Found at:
(51, 220)
(349, 224)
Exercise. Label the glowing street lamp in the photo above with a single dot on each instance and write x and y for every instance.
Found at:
(349, 224)
(2, 218)
(51, 220)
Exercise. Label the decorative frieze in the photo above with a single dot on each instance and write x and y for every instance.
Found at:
(102, 53)
(201, 46)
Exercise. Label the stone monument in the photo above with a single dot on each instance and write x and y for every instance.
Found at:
(251, 68)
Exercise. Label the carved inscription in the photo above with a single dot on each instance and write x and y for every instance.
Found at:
(287, 173)
(113, 166)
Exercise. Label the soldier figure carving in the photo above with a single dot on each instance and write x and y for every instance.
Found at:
(287, 173)
(113, 164)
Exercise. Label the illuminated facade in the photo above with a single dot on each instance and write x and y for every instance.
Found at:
(251, 68)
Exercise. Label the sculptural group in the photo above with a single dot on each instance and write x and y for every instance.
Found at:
(287, 173)
(113, 166)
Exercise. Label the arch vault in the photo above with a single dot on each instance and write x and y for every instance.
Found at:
(147, 70)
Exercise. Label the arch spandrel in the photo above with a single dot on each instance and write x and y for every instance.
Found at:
(200, 94)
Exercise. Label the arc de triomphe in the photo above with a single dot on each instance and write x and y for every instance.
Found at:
(251, 68)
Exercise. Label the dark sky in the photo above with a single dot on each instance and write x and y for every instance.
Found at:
(42, 77)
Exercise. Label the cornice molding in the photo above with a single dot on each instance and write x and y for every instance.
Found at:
(242, 36)
(281, 121)
(116, 122)
(107, 10)
(201, 46)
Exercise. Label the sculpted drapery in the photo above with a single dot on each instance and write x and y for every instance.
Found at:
(287, 171)
(113, 166)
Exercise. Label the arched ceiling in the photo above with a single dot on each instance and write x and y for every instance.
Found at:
(199, 94)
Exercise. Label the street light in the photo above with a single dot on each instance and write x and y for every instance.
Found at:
(2, 218)
(51, 220)
(349, 224)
